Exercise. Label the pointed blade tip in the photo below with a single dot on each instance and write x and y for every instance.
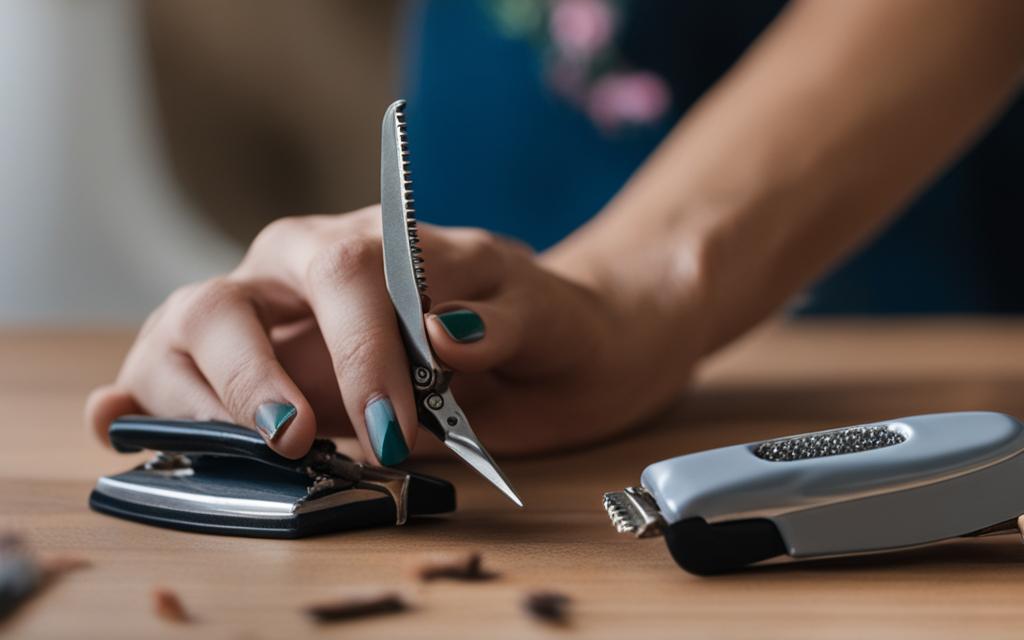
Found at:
(480, 461)
(502, 485)
(511, 494)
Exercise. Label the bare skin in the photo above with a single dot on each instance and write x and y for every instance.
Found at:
(833, 120)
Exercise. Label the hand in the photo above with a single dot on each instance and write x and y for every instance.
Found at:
(302, 340)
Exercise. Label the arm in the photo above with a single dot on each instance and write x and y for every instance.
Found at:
(832, 121)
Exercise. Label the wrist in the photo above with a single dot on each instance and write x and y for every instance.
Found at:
(650, 275)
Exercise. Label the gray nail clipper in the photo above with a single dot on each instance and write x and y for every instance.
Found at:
(860, 489)
(406, 283)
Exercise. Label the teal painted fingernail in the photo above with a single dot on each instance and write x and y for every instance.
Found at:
(385, 435)
(462, 325)
(273, 417)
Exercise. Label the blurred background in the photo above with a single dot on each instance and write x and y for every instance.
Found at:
(143, 144)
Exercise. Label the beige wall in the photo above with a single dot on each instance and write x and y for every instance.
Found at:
(91, 228)
(271, 108)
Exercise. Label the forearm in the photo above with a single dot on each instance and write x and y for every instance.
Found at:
(834, 119)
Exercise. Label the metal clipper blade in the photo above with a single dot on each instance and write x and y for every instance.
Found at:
(634, 511)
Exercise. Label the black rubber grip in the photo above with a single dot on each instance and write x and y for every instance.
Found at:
(707, 549)
(134, 433)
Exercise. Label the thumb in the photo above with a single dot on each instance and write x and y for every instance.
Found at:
(474, 336)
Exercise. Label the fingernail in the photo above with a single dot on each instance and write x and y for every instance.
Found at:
(385, 435)
(273, 417)
(462, 325)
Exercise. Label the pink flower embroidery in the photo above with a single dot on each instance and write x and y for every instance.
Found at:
(583, 63)
(637, 97)
(568, 79)
(581, 28)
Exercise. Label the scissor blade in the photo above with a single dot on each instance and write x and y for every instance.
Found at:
(460, 438)
(403, 273)
(482, 462)
(402, 264)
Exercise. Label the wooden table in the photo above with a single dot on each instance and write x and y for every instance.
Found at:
(782, 379)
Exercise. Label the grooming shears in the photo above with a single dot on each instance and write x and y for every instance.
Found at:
(406, 284)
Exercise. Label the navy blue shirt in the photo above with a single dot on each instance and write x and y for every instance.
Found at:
(492, 146)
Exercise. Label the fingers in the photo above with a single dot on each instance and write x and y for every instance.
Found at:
(169, 385)
(344, 285)
(302, 352)
(207, 352)
(474, 336)
(347, 292)
(223, 334)
(539, 325)
(463, 263)
(178, 390)
(104, 405)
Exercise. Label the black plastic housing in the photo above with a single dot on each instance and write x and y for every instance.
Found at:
(234, 463)
(709, 549)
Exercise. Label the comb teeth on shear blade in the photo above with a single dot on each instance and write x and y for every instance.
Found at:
(408, 202)
(861, 489)
(403, 259)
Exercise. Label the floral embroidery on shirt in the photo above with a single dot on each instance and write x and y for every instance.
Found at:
(582, 60)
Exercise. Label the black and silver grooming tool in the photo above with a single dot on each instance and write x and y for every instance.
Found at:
(215, 477)
(861, 489)
(406, 283)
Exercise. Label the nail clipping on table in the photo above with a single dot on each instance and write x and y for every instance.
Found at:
(548, 606)
(358, 604)
(456, 566)
(23, 575)
(168, 606)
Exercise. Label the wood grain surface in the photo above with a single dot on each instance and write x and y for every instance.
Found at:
(782, 379)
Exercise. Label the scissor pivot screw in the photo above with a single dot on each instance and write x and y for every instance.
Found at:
(435, 401)
(421, 376)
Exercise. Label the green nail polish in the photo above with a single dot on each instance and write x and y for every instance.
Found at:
(462, 325)
(385, 435)
(273, 417)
